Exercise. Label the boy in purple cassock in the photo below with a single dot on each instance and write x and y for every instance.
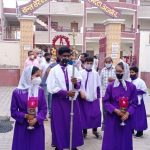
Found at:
(25, 139)
(117, 136)
(89, 102)
(60, 83)
(140, 119)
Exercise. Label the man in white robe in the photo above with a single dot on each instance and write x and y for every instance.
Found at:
(64, 87)
(89, 102)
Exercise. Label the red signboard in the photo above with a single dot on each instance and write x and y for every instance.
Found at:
(31, 6)
(106, 8)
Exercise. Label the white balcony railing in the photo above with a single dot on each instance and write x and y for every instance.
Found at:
(42, 37)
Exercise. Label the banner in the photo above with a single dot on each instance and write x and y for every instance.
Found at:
(106, 8)
(31, 6)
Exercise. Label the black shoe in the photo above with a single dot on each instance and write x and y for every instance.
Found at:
(56, 148)
(74, 149)
(84, 135)
(133, 132)
(139, 134)
(96, 134)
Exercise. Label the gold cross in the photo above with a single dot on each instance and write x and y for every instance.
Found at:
(73, 34)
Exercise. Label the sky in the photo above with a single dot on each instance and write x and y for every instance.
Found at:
(12, 3)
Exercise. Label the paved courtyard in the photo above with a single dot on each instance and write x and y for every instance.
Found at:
(91, 143)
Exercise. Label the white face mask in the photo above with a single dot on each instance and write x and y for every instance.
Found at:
(88, 66)
(108, 65)
(36, 81)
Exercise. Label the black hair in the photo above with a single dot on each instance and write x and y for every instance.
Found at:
(95, 56)
(29, 52)
(34, 70)
(134, 68)
(47, 54)
(64, 49)
(121, 65)
(89, 59)
(85, 55)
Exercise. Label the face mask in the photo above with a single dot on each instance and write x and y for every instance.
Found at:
(108, 65)
(36, 81)
(40, 55)
(64, 61)
(88, 66)
(70, 62)
(119, 76)
(48, 59)
(133, 77)
(82, 61)
(32, 57)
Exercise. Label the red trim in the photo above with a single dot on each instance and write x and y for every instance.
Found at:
(9, 10)
(60, 38)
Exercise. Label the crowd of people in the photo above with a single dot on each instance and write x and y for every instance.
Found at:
(48, 86)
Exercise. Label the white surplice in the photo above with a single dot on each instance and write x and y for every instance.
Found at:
(140, 85)
(56, 79)
(92, 84)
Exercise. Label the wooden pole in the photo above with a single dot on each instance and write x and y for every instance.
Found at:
(72, 100)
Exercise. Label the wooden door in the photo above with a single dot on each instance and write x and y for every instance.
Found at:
(74, 25)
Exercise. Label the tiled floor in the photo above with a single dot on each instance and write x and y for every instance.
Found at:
(91, 143)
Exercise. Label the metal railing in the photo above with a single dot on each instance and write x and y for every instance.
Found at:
(92, 29)
(11, 33)
(64, 29)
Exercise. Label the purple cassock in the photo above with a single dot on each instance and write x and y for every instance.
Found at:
(23, 138)
(90, 114)
(90, 108)
(140, 119)
(60, 78)
(117, 137)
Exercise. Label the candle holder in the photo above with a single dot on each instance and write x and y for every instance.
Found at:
(123, 104)
(32, 109)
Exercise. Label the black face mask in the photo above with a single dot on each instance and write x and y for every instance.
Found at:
(83, 61)
(119, 76)
(48, 59)
(133, 77)
(64, 61)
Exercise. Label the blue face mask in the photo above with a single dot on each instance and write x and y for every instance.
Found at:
(70, 62)
(133, 77)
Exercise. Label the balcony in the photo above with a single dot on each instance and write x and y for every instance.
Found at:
(42, 37)
(92, 32)
(99, 33)
(78, 37)
(11, 33)
(64, 29)
(128, 33)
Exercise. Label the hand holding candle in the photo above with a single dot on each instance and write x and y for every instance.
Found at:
(123, 104)
(32, 105)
